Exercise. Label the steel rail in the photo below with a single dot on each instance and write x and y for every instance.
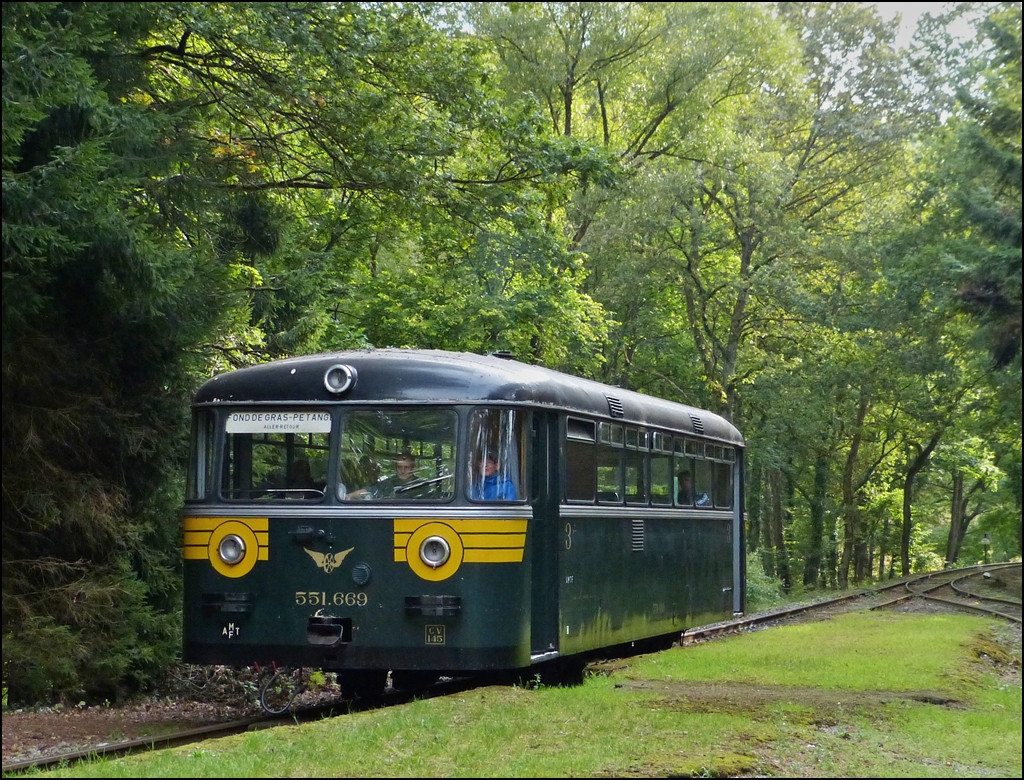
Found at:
(911, 593)
(784, 612)
(979, 608)
(965, 592)
(295, 716)
(954, 576)
(115, 749)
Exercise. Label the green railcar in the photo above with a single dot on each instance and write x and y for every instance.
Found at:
(430, 513)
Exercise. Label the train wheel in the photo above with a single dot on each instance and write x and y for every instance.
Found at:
(279, 690)
(412, 679)
(569, 672)
(362, 684)
(560, 673)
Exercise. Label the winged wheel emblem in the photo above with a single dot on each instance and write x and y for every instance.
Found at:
(328, 561)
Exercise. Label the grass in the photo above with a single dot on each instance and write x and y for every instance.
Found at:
(869, 652)
(864, 694)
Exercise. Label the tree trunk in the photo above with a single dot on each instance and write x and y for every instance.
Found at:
(754, 510)
(767, 548)
(883, 548)
(956, 520)
(830, 575)
(960, 518)
(567, 94)
(849, 531)
(861, 548)
(812, 557)
(851, 518)
(604, 113)
(913, 469)
(778, 539)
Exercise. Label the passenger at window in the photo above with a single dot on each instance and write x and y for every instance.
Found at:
(300, 475)
(488, 484)
(300, 481)
(369, 472)
(686, 496)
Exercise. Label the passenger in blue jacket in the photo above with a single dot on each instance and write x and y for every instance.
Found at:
(488, 484)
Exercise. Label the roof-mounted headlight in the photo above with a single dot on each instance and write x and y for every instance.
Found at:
(339, 378)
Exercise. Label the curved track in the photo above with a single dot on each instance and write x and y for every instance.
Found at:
(959, 588)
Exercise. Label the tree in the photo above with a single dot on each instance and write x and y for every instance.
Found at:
(987, 188)
(189, 187)
(102, 316)
(963, 252)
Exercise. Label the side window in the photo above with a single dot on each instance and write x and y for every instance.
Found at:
(635, 466)
(609, 463)
(684, 468)
(661, 469)
(580, 460)
(200, 472)
(723, 477)
(702, 480)
(693, 474)
(497, 455)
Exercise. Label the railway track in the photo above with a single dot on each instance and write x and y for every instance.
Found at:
(953, 588)
(922, 585)
(295, 715)
(959, 588)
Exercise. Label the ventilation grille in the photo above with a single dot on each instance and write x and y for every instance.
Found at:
(698, 426)
(638, 535)
(615, 406)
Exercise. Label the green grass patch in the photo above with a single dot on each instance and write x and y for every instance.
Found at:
(864, 694)
(856, 651)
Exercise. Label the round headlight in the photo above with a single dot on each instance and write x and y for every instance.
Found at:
(339, 378)
(434, 551)
(231, 549)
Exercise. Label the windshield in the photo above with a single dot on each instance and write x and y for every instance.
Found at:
(277, 454)
(397, 455)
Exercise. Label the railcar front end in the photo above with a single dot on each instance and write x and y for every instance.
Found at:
(329, 536)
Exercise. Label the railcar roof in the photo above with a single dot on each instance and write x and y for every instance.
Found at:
(432, 376)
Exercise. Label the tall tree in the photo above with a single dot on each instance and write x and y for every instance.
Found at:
(103, 313)
(189, 187)
(987, 187)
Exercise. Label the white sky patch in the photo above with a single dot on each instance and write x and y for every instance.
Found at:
(910, 12)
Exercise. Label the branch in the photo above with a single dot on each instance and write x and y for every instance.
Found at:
(178, 50)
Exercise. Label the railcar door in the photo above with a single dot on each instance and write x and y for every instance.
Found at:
(544, 538)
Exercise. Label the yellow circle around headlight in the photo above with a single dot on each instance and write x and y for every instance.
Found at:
(243, 532)
(423, 570)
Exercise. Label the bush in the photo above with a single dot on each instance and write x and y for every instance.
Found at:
(763, 591)
(102, 653)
